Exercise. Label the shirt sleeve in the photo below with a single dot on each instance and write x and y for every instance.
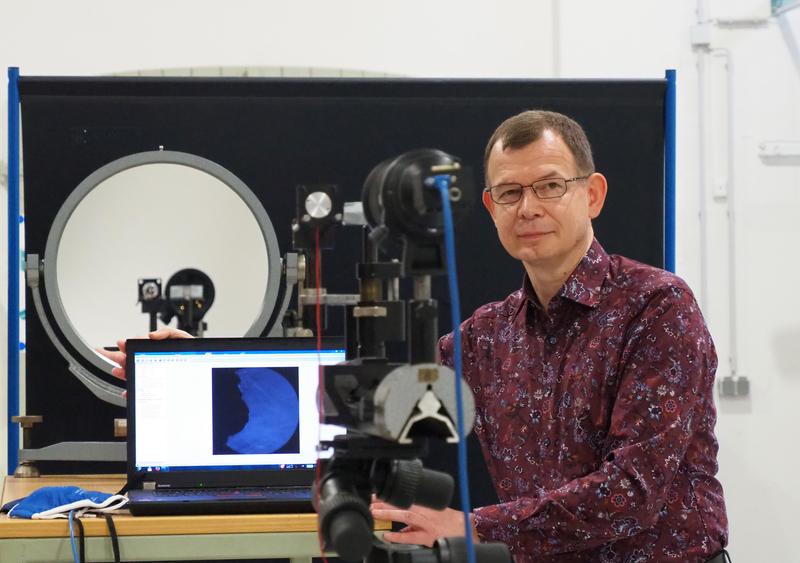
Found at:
(664, 398)
(445, 350)
(475, 356)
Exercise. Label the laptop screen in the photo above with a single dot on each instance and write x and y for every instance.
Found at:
(227, 404)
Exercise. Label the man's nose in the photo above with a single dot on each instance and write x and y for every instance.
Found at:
(530, 205)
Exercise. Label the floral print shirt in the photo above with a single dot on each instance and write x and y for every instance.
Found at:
(596, 418)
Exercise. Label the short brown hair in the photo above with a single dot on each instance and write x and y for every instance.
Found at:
(527, 127)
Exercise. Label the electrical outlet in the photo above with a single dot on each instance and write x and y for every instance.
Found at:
(730, 386)
(742, 386)
(727, 387)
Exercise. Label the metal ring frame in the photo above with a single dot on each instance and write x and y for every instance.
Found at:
(103, 173)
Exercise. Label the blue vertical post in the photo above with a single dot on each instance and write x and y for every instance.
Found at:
(669, 172)
(13, 265)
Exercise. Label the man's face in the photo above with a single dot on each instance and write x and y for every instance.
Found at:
(543, 233)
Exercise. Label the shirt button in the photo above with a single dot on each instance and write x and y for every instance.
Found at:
(552, 340)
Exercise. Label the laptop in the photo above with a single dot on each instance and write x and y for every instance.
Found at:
(225, 425)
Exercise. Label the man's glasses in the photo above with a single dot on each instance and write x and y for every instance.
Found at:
(549, 188)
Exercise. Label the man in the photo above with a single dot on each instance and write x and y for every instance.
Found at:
(593, 382)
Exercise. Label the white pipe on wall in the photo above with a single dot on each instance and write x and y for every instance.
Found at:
(703, 52)
(731, 207)
(788, 32)
(702, 192)
(729, 197)
(556, 26)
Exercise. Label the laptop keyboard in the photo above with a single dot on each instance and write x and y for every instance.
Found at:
(238, 493)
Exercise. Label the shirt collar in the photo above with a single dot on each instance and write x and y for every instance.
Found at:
(584, 283)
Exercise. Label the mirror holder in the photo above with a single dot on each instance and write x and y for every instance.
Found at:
(82, 361)
(108, 392)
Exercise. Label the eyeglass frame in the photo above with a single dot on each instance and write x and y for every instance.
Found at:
(566, 182)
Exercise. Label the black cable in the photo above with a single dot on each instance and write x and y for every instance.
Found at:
(112, 533)
(81, 542)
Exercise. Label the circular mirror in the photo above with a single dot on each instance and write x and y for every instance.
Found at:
(148, 216)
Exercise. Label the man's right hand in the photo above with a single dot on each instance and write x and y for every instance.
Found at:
(119, 357)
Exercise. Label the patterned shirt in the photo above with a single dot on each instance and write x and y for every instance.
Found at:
(596, 418)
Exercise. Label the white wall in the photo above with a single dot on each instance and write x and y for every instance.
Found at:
(755, 432)
(619, 38)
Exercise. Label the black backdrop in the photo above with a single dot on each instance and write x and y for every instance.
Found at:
(277, 133)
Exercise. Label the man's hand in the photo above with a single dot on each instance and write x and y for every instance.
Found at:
(119, 357)
(423, 525)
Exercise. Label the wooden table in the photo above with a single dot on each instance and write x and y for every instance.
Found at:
(153, 538)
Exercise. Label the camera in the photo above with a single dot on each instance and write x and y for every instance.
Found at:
(392, 410)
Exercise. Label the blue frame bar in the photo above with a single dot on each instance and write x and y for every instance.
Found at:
(13, 266)
(670, 114)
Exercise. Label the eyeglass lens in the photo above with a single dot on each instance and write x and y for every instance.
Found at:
(544, 189)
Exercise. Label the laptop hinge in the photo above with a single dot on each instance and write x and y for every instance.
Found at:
(149, 486)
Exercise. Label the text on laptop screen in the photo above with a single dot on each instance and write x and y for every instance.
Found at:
(232, 409)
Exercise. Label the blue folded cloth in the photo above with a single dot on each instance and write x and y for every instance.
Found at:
(56, 502)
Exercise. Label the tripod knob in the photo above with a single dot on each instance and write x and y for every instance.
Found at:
(406, 482)
(346, 524)
(454, 550)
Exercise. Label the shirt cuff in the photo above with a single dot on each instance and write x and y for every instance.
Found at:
(485, 525)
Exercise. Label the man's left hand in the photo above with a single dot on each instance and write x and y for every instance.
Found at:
(423, 525)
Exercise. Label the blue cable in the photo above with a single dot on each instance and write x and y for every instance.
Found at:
(669, 171)
(72, 537)
(442, 183)
(13, 273)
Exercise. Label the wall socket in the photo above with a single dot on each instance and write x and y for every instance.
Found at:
(730, 386)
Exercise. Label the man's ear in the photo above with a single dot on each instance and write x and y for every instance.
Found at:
(488, 203)
(597, 188)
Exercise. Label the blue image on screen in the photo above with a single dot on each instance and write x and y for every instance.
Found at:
(255, 410)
